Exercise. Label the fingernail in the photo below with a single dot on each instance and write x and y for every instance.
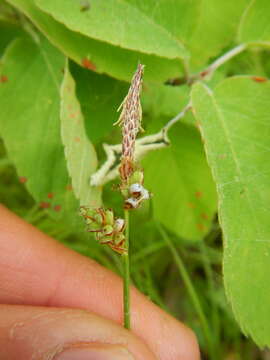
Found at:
(96, 352)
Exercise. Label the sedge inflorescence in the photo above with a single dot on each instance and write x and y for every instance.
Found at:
(108, 228)
(132, 177)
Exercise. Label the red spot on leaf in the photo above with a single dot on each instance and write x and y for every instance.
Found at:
(259, 79)
(204, 73)
(3, 79)
(44, 205)
(77, 139)
(22, 179)
(57, 208)
(201, 227)
(205, 216)
(50, 195)
(191, 205)
(69, 187)
(72, 115)
(86, 63)
(198, 194)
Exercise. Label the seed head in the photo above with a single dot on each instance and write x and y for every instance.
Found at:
(130, 121)
(108, 229)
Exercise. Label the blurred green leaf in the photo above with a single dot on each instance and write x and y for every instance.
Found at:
(249, 62)
(204, 26)
(235, 126)
(254, 26)
(184, 197)
(100, 97)
(30, 122)
(8, 33)
(159, 99)
(215, 28)
(80, 153)
(101, 56)
(118, 23)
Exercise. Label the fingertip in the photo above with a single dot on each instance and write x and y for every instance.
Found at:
(59, 333)
(192, 350)
(166, 336)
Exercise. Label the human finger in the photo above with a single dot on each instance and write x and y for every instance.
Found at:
(38, 333)
(36, 270)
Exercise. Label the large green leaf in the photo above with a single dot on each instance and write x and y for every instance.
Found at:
(184, 197)
(204, 26)
(118, 23)
(178, 17)
(30, 125)
(255, 25)
(101, 56)
(80, 153)
(235, 125)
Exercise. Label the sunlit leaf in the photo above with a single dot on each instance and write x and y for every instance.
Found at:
(235, 125)
(118, 23)
(97, 55)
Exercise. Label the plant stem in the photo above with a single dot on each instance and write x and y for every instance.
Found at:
(191, 290)
(207, 73)
(126, 275)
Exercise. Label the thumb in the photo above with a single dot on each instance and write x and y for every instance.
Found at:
(40, 333)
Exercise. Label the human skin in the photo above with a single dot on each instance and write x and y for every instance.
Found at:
(57, 304)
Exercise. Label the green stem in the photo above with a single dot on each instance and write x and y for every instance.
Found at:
(126, 275)
(191, 290)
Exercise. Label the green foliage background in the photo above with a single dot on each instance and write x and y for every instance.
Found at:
(65, 68)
